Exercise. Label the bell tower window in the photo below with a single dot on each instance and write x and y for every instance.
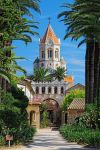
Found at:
(49, 53)
(43, 54)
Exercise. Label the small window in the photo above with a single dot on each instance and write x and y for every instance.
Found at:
(43, 54)
(49, 53)
(43, 90)
(37, 90)
(55, 90)
(49, 90)
(62, 90)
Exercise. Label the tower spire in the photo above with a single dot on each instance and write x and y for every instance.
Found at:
(49, 18)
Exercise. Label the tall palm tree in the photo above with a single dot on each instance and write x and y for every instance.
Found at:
(41, 75)
(59, 73)
(13, 24)
(26, 5)
(81, 23)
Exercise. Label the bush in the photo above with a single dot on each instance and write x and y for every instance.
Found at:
(2, 140)
(13, 119)
(45, 121)
(81, 135)
(90, 118)
(26, 133)
(69, 98)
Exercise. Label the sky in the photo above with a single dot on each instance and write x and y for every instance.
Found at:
(75, 57)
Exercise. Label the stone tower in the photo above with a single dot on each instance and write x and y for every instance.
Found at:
(49, 53)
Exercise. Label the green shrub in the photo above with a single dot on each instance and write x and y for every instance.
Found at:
(13, 119)
(90, 118)
(81, 135)
(45, 121)
(2, 140)
(26, 133)
(69, 98)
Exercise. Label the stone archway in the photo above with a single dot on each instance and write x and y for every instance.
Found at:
(53, 111)
(32, 117)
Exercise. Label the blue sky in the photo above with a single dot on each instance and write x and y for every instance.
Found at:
(75, 57)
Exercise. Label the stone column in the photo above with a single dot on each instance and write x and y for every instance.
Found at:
(46, 90)
(59, 91)
(52, 89)
(38, 120)
(63, 117)
(40, 90)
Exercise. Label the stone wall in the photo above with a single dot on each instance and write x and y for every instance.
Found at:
(72, 114)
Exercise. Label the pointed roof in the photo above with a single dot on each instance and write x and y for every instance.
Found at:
(49, 34)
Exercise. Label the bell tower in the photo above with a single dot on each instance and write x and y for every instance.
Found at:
(49, 50)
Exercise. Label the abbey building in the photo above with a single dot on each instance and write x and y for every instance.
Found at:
(49, 93)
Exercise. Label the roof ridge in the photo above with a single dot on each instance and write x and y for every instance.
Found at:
(50, 34)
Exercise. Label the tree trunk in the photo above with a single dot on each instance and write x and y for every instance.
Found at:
(86, 74)
(96, 70)
(0, 87)
(89, 71)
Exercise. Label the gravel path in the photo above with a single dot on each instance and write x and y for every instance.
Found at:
(46, 139)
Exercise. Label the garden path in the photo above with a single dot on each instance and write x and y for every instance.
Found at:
(46, 139)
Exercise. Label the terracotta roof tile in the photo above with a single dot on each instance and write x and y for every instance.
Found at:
(77, 104)
(49, 34)
(68, 79)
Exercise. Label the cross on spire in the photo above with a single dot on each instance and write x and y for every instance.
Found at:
(49, 19)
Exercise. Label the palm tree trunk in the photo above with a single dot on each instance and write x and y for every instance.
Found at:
(0, 87)
(96, 70)
(86, 74)
(97, 74)
(89, 74)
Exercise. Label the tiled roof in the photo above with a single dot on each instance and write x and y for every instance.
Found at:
(35, 103)
(50, 35)
(68, 79)
(35, 100)
(78, 85)
(77, 104)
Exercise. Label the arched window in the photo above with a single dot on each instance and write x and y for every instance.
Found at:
(43, 90)
(37, 90)
(50, 53)
(57, 53)
(49, 90)
(62, 90)
(55, 90)
(43, 54)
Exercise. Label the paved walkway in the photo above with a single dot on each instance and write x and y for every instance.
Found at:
(46, 139)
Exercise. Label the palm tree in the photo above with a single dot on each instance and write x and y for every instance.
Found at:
(8, 68)
(13, 24)
(81, 23)
(41, 75)
(26, 5)
(59, 73)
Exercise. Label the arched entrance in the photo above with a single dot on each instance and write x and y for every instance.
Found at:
(32, 117)
(53, 111)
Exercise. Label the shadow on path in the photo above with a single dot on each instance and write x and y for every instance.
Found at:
(52, 140)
